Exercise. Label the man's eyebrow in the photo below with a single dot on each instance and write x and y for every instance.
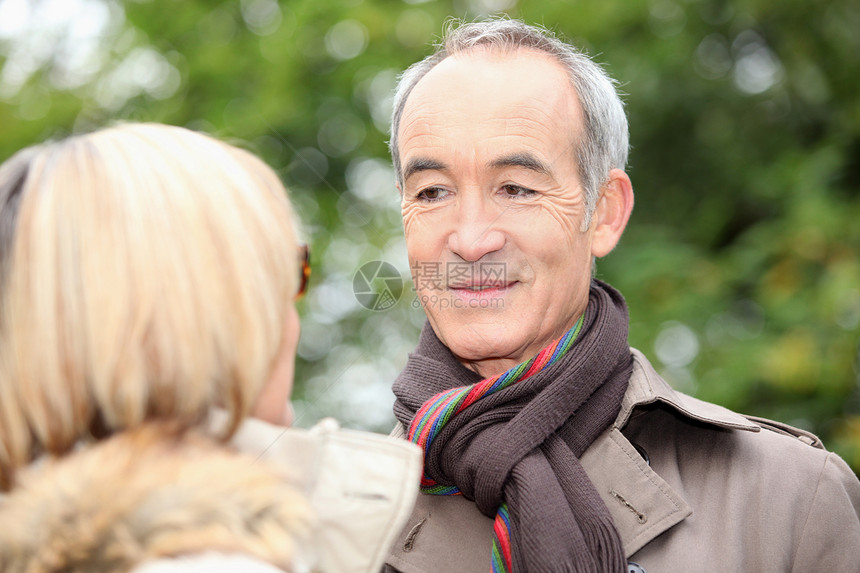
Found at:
(418, 164)
(524, 160)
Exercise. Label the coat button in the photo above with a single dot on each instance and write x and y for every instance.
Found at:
(642, 453)
(634, 567)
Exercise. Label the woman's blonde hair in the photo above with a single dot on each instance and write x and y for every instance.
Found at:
(145, 273)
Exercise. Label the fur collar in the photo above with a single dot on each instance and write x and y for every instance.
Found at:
(146, 494)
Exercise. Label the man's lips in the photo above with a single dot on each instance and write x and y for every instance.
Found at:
(480, 287)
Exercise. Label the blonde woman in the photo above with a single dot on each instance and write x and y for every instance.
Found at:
(147, 283)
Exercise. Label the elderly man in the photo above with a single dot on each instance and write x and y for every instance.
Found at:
(550, 444)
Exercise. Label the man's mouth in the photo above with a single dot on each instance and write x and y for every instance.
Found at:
(480, 287)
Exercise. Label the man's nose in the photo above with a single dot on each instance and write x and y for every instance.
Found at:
(476, 232)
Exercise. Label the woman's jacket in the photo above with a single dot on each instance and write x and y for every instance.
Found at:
(155, 501)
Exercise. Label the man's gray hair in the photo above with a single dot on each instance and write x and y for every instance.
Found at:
(605, 140)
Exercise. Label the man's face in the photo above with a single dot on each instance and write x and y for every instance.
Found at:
(493, 205)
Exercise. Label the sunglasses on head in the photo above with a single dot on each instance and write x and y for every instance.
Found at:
(304, 270)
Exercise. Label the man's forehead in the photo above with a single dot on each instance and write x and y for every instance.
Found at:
(512, 88)
(477, 68)
(486, 107)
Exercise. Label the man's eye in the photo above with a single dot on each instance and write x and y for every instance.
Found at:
(516, 191)
(432, 194)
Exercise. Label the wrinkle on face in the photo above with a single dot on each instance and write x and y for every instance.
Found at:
(567, 211)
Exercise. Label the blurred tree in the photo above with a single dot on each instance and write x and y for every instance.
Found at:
(740, 264)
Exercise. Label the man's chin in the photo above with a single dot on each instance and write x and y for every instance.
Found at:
(484, 349)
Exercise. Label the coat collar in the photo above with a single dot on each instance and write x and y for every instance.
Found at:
(148, 492)
(361, 486)
(642, 504)
(647, 387)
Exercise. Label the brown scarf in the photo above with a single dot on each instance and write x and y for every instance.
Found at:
(521, 445)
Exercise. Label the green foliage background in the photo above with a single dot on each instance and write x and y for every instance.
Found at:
(740, 264)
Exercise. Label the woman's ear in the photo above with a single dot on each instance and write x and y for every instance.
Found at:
(612, 212)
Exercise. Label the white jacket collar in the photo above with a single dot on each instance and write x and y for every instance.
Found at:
(362, 486)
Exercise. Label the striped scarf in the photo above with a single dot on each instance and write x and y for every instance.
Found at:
(511, 442)
(438, 410)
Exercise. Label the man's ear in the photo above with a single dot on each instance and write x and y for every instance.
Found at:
(612, 213)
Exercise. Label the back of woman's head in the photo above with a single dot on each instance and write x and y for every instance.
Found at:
(145, 271)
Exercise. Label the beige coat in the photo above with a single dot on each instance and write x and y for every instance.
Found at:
(361, 487)
(723, 493)
(146, 501)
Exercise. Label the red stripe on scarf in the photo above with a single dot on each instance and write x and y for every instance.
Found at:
(503, 535)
